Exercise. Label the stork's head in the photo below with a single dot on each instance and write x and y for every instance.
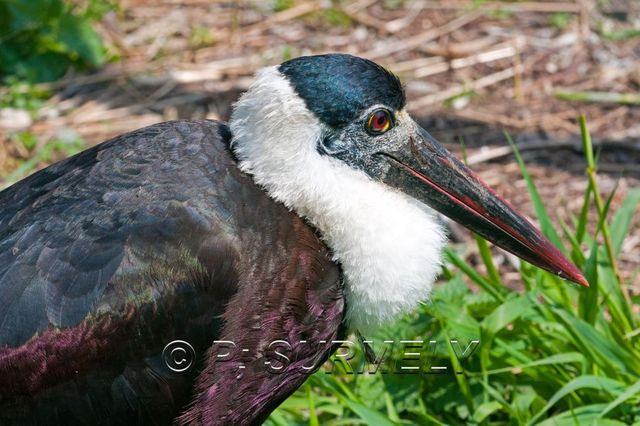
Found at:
(307, 124)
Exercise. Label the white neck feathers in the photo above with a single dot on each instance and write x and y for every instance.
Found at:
(388, 244)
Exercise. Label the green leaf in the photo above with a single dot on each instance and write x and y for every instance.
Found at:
(605, 384)
(487, 259)
(588, 308)
(613, 296)
(313, 416)
(584, 214)
(40, 39)
(522, 404)
(506, 313)
(463, 384)
(485, 410)
(277, 418)
(607, 353)
(586, 415)
(45, 66)
(564, 358)
(31, 14)
(473, 274)
(576, 253)
(392, 413)
(78, 36)
(498, 397)
(371, 417)
(404, 390)
(631, 391)
(621, 222)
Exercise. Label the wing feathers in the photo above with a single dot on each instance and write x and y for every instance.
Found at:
(150, 237)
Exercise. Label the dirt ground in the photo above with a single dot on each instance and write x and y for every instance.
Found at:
(471, 69)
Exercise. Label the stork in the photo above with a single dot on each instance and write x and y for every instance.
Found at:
(311, 214)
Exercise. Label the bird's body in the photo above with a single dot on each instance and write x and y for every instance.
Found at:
(108, 256)
(305, 217)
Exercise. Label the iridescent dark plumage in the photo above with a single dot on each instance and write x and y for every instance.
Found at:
(150, 237)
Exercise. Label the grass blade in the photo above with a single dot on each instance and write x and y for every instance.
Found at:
(506, 313)
(631, 391)
(576, 253)
(588, 299)
(621, 222)
(313, 416)
(463, 384)
(607, 206)
(591, 173)
(370, 416)
(584, 214)
(565, 358)
(546, 225)
(585, 415)
(610, 386)
(473, 274)
(487, 259)
(613, 358)
(485, 410)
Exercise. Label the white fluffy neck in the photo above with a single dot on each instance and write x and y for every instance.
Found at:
(388, 244)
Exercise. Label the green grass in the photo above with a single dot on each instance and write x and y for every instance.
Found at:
(551, 353)
(600, 97)
(22, 95)
(560, 20)
(201, 36)
(620, 35)
(280, 5)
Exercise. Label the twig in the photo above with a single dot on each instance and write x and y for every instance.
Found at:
(413, 64)
(405, 21)
(480, 58)
(452, 50)
(166, 25)
(423, 67)
(422, 38)
(584, 18)
(369, 21)
(281, 17)
(354, 11)
(478, 84)
(215, 70)
(493, 118)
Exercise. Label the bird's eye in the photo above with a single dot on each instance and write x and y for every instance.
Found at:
(379, 122)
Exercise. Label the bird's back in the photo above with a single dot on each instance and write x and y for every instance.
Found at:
(150, 237)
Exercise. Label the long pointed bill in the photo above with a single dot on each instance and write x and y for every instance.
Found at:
(427, 171)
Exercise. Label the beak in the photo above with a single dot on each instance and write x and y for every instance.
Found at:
(425, 170)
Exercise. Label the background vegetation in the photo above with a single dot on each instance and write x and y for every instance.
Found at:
(549, 353)
(41, 39)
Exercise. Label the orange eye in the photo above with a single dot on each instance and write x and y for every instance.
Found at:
(379, 122)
